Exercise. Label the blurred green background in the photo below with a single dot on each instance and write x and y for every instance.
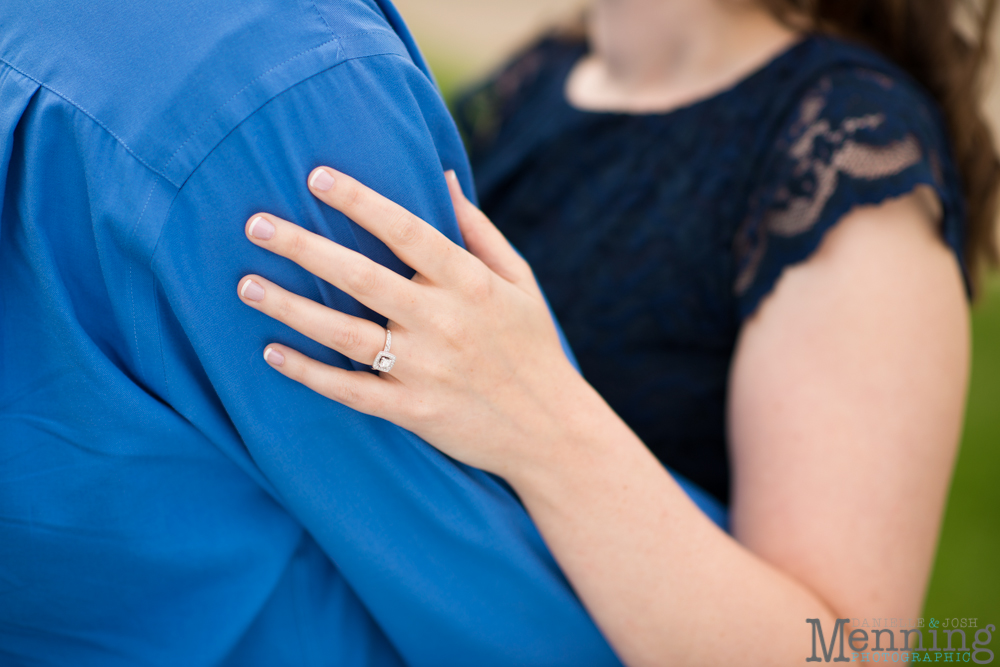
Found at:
(966, 580)
(463, 39)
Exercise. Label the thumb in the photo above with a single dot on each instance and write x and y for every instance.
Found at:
(484, 240)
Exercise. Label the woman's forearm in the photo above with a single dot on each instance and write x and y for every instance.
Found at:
(666, 586)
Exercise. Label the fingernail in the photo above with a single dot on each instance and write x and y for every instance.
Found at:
(261, 228)
(252, 291)
(451, 176)
(274, 357)
(321, 180)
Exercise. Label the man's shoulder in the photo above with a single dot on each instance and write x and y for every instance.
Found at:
(170, 79)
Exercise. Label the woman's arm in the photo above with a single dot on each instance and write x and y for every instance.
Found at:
(846, 401)
(845, 408)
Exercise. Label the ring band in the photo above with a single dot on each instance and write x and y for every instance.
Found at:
(384, 361)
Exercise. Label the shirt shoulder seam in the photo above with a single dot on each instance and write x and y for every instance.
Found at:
(180, 187)
(92, 117)
(239, 92)
(161, 173)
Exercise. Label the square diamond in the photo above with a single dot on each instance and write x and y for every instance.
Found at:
(384, 362)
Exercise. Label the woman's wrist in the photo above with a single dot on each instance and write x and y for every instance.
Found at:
(582, 436)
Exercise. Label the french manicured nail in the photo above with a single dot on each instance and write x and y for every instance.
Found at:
(261, 228)
(252, 291)
(321, 180)
(273, 357)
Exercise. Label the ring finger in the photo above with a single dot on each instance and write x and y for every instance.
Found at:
(354, 337)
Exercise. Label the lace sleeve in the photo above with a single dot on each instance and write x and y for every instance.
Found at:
(857, 138)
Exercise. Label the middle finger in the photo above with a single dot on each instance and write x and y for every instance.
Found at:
(381, 289)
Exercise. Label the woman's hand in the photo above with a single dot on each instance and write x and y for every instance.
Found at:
(476, 348)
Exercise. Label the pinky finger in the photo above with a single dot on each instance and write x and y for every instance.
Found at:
(359, 391)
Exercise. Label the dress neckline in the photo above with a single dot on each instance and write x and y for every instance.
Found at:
(581, 50)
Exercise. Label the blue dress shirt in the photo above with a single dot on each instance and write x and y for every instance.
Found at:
(165, 497)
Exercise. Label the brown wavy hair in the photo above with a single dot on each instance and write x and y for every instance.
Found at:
(927, 39)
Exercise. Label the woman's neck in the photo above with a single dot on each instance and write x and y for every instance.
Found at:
(653, 55)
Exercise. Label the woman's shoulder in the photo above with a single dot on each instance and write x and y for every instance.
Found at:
(854, 65)
(847, 76)
(855, 130)
(849, 98)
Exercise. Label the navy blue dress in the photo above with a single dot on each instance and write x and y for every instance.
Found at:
(656, 235)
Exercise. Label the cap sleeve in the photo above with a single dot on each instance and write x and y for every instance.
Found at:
(857, 137)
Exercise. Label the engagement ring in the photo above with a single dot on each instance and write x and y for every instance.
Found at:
(385, 361)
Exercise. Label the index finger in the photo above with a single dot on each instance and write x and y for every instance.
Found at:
(422, 247)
